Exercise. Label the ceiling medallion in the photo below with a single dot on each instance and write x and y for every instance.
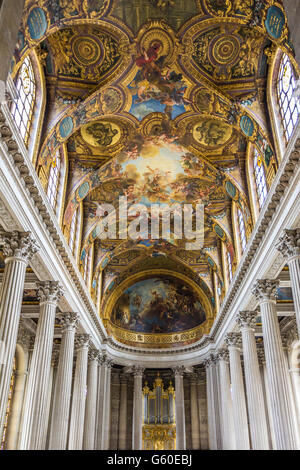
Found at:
(87, 51)
(224, 50)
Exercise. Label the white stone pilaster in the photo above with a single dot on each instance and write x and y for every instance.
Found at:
(289, 246)
(285, 438)
(227, 425)
(79, 393)
(62, 395)
(106, 405)
(256, 405)
(233, 341)
(123, 413)
(137, 422)
(195, 425)
(91, 401)
(180, 409)
(18, 248)
(49, 293)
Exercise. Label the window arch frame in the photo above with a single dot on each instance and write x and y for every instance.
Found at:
(260, 178)
(24, 104)
(292, 106)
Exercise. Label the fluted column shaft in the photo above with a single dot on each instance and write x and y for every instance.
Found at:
(100, 403)
(137, 422)
(49, 293)
(18, 248)
(195, 425)
(62, 396)
(91, 402)
(238, 393)
(107, 406)
(123, 414)
(275, 362)
(228, 434)
(213, 410)
(256, 404)
(289, 246)
(180, 409)
(202, 409)
(79, 394)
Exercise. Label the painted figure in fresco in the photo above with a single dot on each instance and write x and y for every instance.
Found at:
(158, 305)
(211, 133)
(103, 133)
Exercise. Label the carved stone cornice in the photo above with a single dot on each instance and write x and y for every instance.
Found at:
(246, 318)
(82, 341)
(233, 339)
(18, 245)
(265, 289)
(49, 291)
(93, 355)
(69, 321)
(289, 243)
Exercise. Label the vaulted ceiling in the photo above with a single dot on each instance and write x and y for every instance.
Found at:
(156, 100)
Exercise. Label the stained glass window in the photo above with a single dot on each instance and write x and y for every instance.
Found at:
(260, 178)
(54, 177)
(8, 408)
(242, 228)
(289, 104)
(22, 107)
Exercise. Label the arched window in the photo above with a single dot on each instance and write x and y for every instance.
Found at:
(242, 229)
(86, 264)
(54, 177)
(260, 178)
(73, 227)
(289, 105)
(22, 107)
(229, 266)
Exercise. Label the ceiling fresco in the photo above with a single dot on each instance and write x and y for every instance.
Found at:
(158, 101)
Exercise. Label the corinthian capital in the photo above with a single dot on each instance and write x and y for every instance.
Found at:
(82, 341)
(265, 289)
(246, 318)
(289, 243)
(138, 371)
(18, 244)
(93, 355)
(222, 355)
(49, 291)
(179, 370)
(69, 320)
(233, 339)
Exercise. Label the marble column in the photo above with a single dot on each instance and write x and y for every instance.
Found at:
(195, 426)
(233, 341)
(264, 290)
(100, 401)
(266, 394)
(213, 410)
(137, 421)
(179, 409)
(91, 401)
(256, 406)
(123, 413)
(82, 342)
(18, 249)
(289, 246)
(49, 293)
(202, 408)
(227, 425)
(62, 394)
(106, 405)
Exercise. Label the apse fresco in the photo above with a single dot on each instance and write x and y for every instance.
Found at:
(158, 305)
